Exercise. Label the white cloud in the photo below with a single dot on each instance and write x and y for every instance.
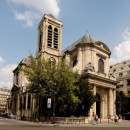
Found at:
(34, 9)
(122, 51)
(6, 75)
(27, 17)
(1, 60)
(126, 34)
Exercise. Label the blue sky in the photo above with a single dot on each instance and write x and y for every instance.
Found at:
(106, 20)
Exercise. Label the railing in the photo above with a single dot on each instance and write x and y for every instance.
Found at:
(70, 120)
(59, 120)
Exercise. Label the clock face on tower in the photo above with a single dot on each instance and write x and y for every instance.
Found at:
(52, 60)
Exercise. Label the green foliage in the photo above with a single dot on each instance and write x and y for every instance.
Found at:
(86, 96)
(121, 102)
(59, 81)
(36, 76)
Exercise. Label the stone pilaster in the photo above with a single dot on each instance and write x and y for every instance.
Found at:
(94, 105)
(114, 100)
(18, 106)
(26, 107)
(110, 103)
(102, 108)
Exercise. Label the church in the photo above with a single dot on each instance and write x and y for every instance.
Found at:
(87, 55)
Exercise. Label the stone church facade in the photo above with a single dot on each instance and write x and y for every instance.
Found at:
(91, 58)
(87, 55)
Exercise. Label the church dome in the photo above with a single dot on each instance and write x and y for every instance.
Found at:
(87, 39)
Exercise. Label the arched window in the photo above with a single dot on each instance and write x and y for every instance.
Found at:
(49, 40)
(29, 101)
(21, 105)
(55, 38)
(100, 66)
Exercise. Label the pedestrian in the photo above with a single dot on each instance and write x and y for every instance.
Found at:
(120, 118)
(96, 119)
(116, 119)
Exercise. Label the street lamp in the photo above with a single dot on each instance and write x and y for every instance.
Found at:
(54, 108)
(82, 110)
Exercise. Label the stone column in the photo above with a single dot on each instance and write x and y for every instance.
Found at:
(18, 105)
(26, 107)
(114, 100)
(94, 105)
(110, 103)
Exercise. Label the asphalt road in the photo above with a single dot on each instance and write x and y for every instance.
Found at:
(11, 124)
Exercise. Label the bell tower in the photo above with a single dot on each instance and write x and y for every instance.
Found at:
(49, 38)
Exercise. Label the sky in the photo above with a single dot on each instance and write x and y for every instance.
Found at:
(106, 20)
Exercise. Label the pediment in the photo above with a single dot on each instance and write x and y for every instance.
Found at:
(102, 46)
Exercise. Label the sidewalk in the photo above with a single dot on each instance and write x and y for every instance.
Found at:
(102, 123)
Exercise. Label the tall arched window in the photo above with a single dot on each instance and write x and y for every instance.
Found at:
(100, 66)
(29, 101)
(21, 104)
(49, 40)
(56, 38)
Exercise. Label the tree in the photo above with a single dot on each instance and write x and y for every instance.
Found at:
(86, 96)
(56, 81)
(67, 89)
(121, 102)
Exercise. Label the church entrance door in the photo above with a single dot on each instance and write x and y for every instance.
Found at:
(98, 105)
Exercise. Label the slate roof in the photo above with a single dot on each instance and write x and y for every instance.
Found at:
(25, 61)
(82, 40)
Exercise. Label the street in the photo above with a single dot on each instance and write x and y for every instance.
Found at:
(12, 124)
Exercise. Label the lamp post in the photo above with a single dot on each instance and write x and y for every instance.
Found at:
(54, 109)
(82, 110)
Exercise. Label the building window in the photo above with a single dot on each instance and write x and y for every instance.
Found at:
(55, 38)
(120, 74)
(101, 66)
(110, 66)
(128, 72)
(29, 101)
(49, 40)
(128, 81)
(121, 68)
(40, 40)
(21, 104)
(128, 92)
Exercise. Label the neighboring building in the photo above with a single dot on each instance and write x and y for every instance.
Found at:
(4, 95)
(121, 71)
(87, 55)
